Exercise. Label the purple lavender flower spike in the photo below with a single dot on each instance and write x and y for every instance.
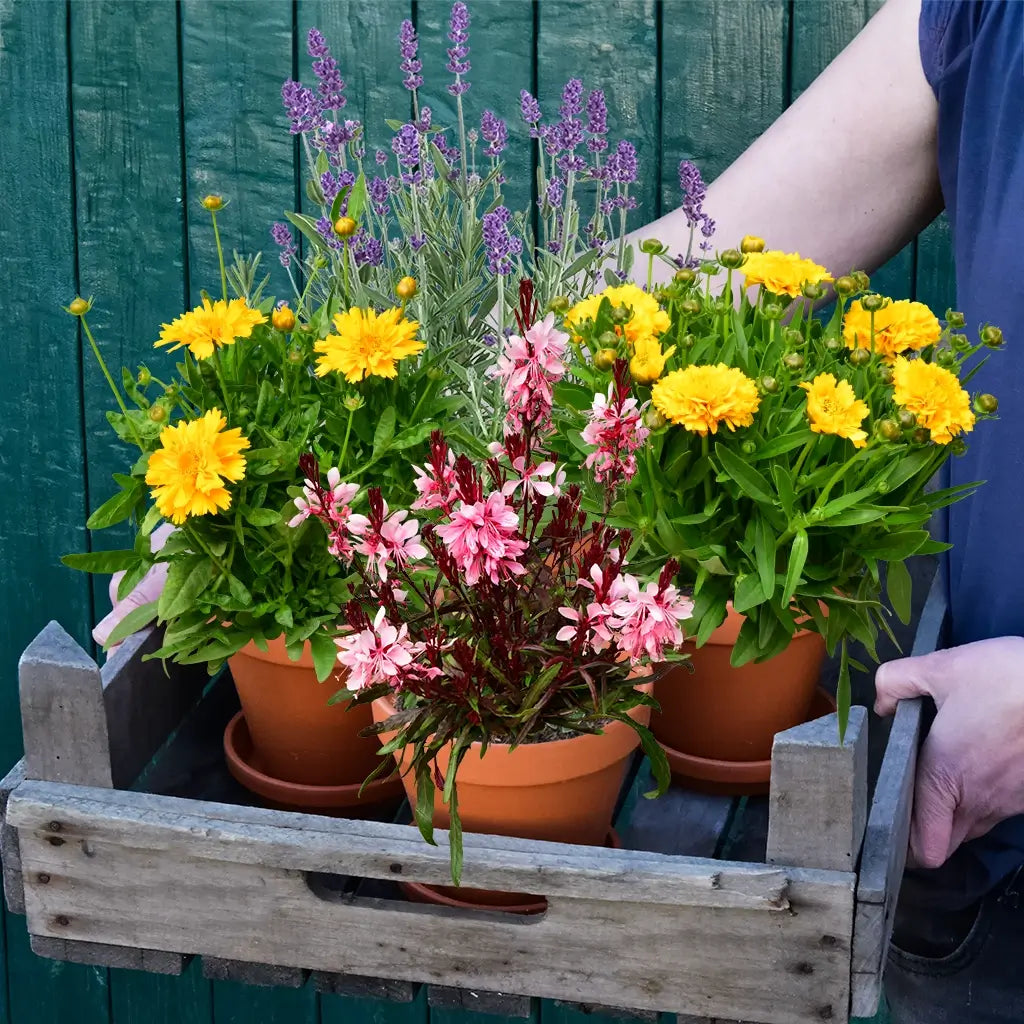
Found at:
(379, 194)
(691, 184)
(597, 121)
(368, 251)
(529, 108)
(458, 52)
(325, 67)
(282, 238)
(330, 186)
(572, 99)
(495, 131)
(417, 242)
(326, 230)
(409, 44)
(381, 157)
(555, 192)
(501, 245)
(302, 107)
(423, 124)
(622, 164)
(406, 147)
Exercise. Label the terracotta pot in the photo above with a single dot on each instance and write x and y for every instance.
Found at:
(296, 735)
(562, 791)
(731, 714)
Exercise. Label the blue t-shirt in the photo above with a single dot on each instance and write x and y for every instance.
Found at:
(972, 52)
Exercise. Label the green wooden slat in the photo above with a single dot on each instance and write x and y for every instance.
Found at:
(140, 998)
(501, 55)
(235, 1003)
(723, 70)
(820, 31)
(128, 188)
(235, 58)
(49, 992)
(612, 46)
(936, 276)
(346, 1010)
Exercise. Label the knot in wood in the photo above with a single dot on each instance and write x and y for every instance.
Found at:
(61, 920)
(43, 878)
(54, 826)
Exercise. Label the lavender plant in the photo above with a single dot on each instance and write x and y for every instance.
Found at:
(431, 205)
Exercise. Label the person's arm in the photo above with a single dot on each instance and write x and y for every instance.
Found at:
(848, 174)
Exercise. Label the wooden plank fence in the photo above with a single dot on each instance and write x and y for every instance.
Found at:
(115, 116)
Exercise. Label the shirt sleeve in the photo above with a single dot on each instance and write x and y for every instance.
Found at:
(935, 18)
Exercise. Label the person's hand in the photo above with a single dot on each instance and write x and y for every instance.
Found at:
(970, 775)
(145, 591)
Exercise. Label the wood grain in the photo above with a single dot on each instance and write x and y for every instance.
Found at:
(780, 967)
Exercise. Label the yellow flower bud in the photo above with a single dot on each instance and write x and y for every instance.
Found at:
(860, 357)
(213, 203)
(79, 306)
(691, 307)
(283, 319)
(157, 413)
(604, 359)
(732, 258)
(685, 276)
(653, 419)
(846, 285)
(345, 227)
(406, 288)
(145, 378)
(751, 243)
(889, 430)
(986, 404)
(861, 279)
(295, 356)
(872, 303)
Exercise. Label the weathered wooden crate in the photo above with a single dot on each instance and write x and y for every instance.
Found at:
(774, 910)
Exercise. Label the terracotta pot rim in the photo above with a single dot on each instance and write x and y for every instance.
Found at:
(549, 761)
(283, 791)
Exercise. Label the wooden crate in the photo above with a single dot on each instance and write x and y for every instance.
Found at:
(126, 844)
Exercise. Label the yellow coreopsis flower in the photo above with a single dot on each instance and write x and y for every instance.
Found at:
(189, 469)
(368, 344)
(901, 326)
(782, 273)
(649, 320)
(648, 361)
(934, 395)
(700, 398)
(834, 408)
(211, 326)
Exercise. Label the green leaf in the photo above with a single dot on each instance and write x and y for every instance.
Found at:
(843, 693)
(325, 654)
(764, 555)
(357, 198)
(797, 559)
(385, 430)
(746, 477)
(455, 836)
(412, 436)
(308, 227)
(782, 445)
(899, 585)
(896, 545)
(262, 516)
(186, 580)
(132, 577)
(424, 810)
(749, 592)
(101, 561)
(748, 644)
(119, 507)
(784, 485)
(660, 770)
(135, 620)
(239, 591)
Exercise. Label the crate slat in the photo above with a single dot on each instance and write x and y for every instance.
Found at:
(10, 853)
(683, 944)
(818, 800)
(101, 954)
(248, 973)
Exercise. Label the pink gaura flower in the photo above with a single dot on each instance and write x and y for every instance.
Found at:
(482, 539)
(378, 654)
(529, 366)
(646, 621)
(616, 431)
(437, 490)
(394, 539)
(533, 479)
(595, 621)
(315, 501)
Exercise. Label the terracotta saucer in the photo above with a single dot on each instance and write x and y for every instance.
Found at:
(485, 899)
(733, 778)
(243, 763)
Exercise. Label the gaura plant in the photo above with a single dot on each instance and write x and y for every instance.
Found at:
(506, 613)
(788, 456)
(219, 435)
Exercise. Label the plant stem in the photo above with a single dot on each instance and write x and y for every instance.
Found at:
(220, 256)
(802, 457)
(705, 448)
(110, 381)
(219, 369)
(206, 551)
(348, 431)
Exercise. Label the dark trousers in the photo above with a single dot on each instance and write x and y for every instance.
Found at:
(957, 964)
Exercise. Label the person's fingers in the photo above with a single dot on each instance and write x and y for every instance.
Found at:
(115, 582)
(147, 590)
(923, 676)
(935, 804)
(159, 536)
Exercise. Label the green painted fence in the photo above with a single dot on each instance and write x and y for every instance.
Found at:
(115, 116)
